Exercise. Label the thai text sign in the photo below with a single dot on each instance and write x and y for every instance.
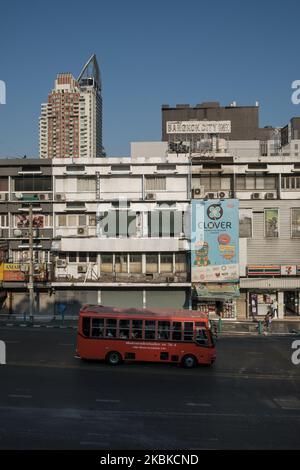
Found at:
(215, 240)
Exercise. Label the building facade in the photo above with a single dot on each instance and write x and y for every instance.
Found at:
(70, 124)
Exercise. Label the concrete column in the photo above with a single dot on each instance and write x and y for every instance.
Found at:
(280, 301)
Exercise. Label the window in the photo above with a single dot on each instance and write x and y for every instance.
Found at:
(151, 263)
(33, 183)
(163, 330)
(86, 321)
(62, 255)
(135, 263)
(92, 257)
(155, 183)
(124, 329)
(291, 183)
(165, 223)
(121, 263)
(245, 216)
(180, 262)
(82, 257)
(120, 168)
(97, 327)
(137, 329)
(295, 223)
(271, 223)
(149, 329)
(86, 184)
(4, 220)
(72, 257)
(3, 183)
(75, 168)
(72, 220)
(111, 328)
(81, 220)
(188, 331)
(176, 331)
(92, 220)
(166, 263)
(254, 181)
(107, 263)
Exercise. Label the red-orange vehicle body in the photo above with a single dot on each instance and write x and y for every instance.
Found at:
(154, 335)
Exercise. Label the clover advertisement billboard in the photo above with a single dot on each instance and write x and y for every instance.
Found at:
(215, 240)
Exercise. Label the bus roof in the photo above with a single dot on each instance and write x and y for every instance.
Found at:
(140, 312)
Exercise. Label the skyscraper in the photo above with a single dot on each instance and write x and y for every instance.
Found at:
(71, 120)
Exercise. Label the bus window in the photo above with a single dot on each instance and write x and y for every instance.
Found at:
(163, 330)
(124, 329)
(188, 331)
(149, 329)
(111, 328)
(176, 331)
(201, 337)
(137, 329)
(86, 322)
(97, 327)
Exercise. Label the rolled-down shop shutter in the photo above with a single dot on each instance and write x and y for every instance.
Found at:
(122, 298)
(163, 298)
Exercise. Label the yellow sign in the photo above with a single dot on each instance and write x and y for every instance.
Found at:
(1, 271)
(11, 267)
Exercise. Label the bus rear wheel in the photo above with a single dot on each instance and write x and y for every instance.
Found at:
(113, 358)
(189, 361)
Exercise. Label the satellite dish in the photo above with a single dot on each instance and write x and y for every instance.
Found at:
(17, 233)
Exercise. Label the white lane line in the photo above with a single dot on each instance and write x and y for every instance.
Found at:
(102, 400)
(19, 396)
(98, 444)
(198, 404)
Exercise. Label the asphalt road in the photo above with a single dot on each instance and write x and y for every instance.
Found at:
(250, 399)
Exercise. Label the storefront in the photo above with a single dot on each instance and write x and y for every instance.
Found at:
(260, 303)
(216, 300)
(291, 303)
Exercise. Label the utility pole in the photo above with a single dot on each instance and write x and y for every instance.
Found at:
(30, 283)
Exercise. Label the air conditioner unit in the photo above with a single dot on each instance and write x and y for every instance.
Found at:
(224, 194)
(43, 197)
(60, 197)
(210, 195)
(256, 196)
(2, 197)
(18, 233)
(151, 196)
(170, 279)
(82, 231)
(61, 263)
(82, 268)
(269, 196)
(198, 193)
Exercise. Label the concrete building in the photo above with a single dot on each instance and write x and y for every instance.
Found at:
(70, 124)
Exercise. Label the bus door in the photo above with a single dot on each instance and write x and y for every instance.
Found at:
(202, 338)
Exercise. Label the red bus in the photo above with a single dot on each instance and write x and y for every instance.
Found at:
(156, 335)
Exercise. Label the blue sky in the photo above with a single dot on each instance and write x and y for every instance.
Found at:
(150, 53)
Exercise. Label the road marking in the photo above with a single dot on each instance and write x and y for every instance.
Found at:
(90, 443)
(288, 403)
(198, 404)
(19, 396)
(102, 400)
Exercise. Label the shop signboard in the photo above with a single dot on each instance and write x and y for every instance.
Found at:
(262, 270)
(198, 127)
(215, 241)
(12, 272)
(288, 270)
(221, 291)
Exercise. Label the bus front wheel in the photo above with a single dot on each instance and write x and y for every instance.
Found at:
(113, 358)
(189, 361)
